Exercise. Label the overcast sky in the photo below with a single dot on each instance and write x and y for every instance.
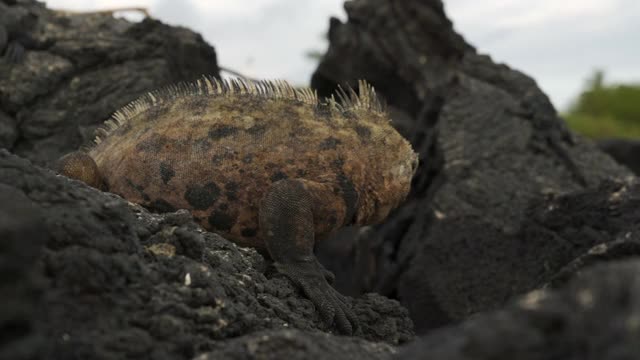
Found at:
(558, 42)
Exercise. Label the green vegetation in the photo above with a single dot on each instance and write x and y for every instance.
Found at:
(605, 111)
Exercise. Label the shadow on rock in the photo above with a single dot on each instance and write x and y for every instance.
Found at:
(22, 236)
(624, 151)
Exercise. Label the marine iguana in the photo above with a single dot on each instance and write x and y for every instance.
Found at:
(262, 163)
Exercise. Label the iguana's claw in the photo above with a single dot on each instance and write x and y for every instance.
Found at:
(332, 306)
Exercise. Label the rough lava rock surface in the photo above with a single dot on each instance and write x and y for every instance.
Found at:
(22, 236)
(78, 69)
(295, 345)
(492, 147)
(120, 282)
(595, 317)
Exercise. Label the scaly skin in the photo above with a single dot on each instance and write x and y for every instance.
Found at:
(262, 164)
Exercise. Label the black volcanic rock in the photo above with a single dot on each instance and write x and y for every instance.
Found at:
(120, 282)
(22, 236)
(77, 70)
(297, 345)
(491, 147)
(595, 317)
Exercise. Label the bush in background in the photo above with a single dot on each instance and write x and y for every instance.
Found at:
(606, 111)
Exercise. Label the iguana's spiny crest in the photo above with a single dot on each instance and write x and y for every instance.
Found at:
(366, 101)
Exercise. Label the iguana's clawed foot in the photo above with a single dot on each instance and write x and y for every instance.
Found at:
(332, 306)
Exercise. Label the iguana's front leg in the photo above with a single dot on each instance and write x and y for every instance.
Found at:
(287, 226)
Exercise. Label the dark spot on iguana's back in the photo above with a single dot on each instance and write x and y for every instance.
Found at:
(202, 197)
(222, 131)
(219, 159)
(198, 105)
(162, 206)
(221, 220)
(138, 188)
(333, 219)
(166, 172)
(278, 175)
(257, 130)
(249, 232)
(231, 190)
(201, 145)
(363, 132)
(329, 143)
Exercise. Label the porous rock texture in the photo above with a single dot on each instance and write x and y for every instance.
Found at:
(476, 230)
(78, 69)
(295, 345)
(114, 281)
(86, 274)
(596, 316)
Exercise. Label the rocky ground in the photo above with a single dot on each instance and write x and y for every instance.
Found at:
(519, 239)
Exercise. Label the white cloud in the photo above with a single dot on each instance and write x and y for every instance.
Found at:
(559, 43)
(95, 4)
(519, 13)
(239, 9)
(266, 41)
